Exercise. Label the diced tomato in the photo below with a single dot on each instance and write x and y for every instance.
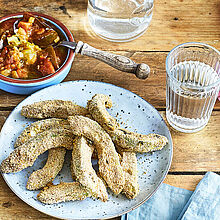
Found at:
(22, 73)
(25, 25)
(46, 67)
(8, 67)
(13, 66)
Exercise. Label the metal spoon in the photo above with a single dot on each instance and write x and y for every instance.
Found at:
(121, 63)
(15, 25)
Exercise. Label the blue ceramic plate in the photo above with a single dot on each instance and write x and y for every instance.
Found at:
(136, 115)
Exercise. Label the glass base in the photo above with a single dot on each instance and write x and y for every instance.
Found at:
(119, 40)
(184, 129)
(118, 29)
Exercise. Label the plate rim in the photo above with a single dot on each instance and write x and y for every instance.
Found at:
(116, 215)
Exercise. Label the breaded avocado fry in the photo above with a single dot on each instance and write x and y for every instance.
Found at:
(129, 164)
(25, 155)
(108, 159)
(54, 164)
(97, 108)
(53, 109)
(63, 192)
(133, 142)
(83, 170)
(40, 126)
(47, 174)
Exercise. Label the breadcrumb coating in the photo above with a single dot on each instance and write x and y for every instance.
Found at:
(47, 174)
(108, 159)
(25, 155)
(53, 109)
(83, 170)
(54, 164)
(97, 108)
(40, 126)
(133, 142)
(129, 164)
(63, 192)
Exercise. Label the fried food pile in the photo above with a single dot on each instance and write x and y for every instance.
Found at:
(89, 132)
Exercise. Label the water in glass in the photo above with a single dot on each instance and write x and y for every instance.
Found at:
(119, 20)
(189, 98)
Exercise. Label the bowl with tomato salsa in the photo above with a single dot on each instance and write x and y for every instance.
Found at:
(29, 58)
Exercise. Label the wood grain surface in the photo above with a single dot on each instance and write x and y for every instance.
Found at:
(152, 89)
(174, 22)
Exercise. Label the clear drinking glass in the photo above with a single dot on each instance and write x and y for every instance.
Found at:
(119, 20)
(192, 85)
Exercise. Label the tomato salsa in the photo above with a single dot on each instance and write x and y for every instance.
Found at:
(26, 47)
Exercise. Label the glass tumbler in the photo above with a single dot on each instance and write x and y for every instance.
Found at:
(119, 20)
(192, 85)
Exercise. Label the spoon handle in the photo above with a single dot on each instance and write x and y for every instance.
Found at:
(118, 62)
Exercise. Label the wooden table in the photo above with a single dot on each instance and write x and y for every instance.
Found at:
(174, 22)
